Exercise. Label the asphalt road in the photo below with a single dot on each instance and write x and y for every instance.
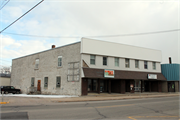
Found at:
(130, 109)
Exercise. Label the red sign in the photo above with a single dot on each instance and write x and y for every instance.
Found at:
(109, 73)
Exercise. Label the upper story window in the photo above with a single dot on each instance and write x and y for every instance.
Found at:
(154, 65)
(46, 82)
(136, 63)
(59, 61)
(37, 63)
(104, 60)
(58, 82)
(127, 63)
(32, 82)
(116, 61)
(145, 65)
(92, 59)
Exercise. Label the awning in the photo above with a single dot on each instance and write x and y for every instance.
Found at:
(120, 74)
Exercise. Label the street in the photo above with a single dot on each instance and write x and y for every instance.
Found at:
(130, 109)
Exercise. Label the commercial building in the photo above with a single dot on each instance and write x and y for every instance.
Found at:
(172, 74)
(89, 66)
(5, 79)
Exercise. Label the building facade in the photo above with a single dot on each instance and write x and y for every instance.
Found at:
(54, 71)
(90, 66)
(5, 79)
(172, 74)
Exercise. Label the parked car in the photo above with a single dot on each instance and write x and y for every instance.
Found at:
(10, 89)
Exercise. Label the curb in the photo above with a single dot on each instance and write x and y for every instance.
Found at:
(4, 102)
(83, 100)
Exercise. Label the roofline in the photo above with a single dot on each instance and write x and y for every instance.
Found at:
(170, 64)
(47, 50)
(121, 44)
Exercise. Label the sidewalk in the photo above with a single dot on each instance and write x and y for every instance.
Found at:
(106, 96)
(15, 100)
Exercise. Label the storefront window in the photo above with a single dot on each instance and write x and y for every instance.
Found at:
(95, 85)
(89, 85)
(92, 85)
(138, 85)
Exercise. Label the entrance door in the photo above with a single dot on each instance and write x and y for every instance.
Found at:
(39, 85)
(171, 87)
(104, 86)
(146, 85)
(84, 86)
(92, 85)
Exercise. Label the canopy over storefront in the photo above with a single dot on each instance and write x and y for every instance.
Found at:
(120, 74)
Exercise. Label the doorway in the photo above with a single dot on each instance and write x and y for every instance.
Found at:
(104, 86)
(39, 85)
(146, 85)
(92, 85)
(171, 87)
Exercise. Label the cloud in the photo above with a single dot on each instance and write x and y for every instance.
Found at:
(57, 18)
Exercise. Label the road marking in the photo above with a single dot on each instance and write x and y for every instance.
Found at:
(114, 106)
(132, 118)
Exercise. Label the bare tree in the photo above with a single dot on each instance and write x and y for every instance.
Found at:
(5, 70)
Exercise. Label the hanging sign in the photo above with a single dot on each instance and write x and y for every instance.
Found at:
(109, 73)
(152, 76)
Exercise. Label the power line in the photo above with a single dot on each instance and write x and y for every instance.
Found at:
(120, 35)
(4, 60)
(43, 36)
(20, 17)
(4, 4)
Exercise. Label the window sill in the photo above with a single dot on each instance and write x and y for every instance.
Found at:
(58, 67)
(36, 68)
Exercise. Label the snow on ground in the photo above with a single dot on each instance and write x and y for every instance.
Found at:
(42, 96)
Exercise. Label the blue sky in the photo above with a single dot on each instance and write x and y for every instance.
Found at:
(88, 18)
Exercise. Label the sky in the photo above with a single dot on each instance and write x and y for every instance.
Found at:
(66, 21)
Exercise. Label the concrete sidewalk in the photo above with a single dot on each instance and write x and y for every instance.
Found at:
(106, 96)
(21, 101)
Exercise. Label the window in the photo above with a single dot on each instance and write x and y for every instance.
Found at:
(104, 60)
(59, 61)
(154, 65)
(136, 63)
(92, 59)
(37, 63)
(127, 63)
(116, 61)
(145, 65)
(32, 82)
(73, 72)
(46, 82)
(58, 82)
(12, 87)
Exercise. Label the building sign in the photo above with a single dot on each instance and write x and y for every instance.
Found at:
(152, 76)
(109, 73)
